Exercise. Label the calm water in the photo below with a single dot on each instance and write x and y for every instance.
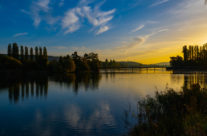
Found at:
(102, 105)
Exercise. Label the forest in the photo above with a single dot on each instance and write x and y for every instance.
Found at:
(36, 59)
(193, 57)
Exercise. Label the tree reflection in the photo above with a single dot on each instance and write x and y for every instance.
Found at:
(36, 85)
(189, 79)
(24, 88)
(77, 81)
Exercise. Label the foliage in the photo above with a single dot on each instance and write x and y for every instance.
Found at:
(39, 60)
(110, 64)
(173, 113)
(65, 64)
(8, 62)
(28, 61)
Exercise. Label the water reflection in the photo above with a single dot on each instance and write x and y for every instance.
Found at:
(20, 88)
(103, 104)
(190, 79)
(87, 80)
(26, 88)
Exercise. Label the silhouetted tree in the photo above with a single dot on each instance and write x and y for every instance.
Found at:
(45, 52)
(40, 52)
(22, 53)
(192, 56)
(176, 61)
(31, 54)
(26, 53)
(9, 51)
(185, 53)
(15, 51)
(36, 53)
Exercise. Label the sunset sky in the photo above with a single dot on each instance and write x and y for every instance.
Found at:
(146, 31)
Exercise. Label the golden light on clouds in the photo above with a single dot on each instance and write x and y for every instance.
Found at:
(186, 26)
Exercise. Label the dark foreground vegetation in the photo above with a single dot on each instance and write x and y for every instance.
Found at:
(194, 57)
(36, 59)
(173, 113)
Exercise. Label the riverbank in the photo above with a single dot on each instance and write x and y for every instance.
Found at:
(187, 68)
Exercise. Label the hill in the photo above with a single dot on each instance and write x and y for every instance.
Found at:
(130, 64)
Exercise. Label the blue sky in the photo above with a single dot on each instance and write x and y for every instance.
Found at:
(147, 31)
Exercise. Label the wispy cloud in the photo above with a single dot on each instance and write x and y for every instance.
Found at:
(40, 10)
(138, 28)
(96, 17)
(159, 2)
(37, 7)
(70, 21)
(20, 34)
(102, 30)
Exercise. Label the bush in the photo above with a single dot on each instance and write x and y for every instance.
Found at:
(173, 113)
(9, 63)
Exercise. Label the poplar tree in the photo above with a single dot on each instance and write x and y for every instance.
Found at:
(9, 51)
(31, 54)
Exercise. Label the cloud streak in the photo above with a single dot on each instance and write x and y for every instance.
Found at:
(138, 28)
(102, 30)
(160, 2)
(20, 34)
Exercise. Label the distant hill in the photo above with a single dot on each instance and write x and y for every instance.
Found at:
(51, 58)
(163, 64)
(130, 64)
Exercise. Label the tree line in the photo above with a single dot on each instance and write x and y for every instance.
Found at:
(193, 56)
(76, 63)
(29, 58)
(110, 64)
(37, 59)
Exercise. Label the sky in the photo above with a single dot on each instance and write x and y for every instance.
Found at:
(145, 31)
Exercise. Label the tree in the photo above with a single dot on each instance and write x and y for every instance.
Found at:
(9, 51)
(36, 53)
(40, 51)
(185, 53)
(176, 61)
(15, 52)
(26, 53)
(93, 61)
(67, 64)
(31, 54)
(22, 53)
(45, 52)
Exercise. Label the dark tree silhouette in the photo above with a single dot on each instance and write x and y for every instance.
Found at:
(40, 51)
(22, 53)
(15, 51)
(26, 53)
(36, 53)
(193, 56)
(27, 61)
(31, 54)
(9, 51)
(45, 52)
